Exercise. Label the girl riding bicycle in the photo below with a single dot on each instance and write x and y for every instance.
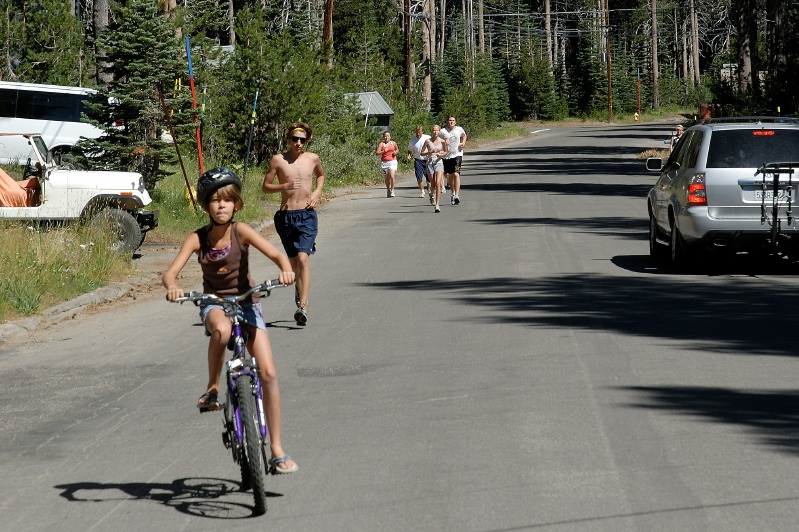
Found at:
(223, 253)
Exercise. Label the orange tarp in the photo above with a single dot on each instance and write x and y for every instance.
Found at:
(11, 192)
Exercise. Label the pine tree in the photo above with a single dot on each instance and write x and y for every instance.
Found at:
(142, 49)
(290, 80)
(42, 42)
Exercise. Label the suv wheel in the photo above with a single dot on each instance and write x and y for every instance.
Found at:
(678, 249)
(124, 228)
(656, 250)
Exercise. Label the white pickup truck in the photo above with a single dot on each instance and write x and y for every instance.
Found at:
(51, 193)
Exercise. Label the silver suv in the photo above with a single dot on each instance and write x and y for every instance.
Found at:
(729, 185)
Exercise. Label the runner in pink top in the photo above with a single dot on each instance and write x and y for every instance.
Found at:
(387, 150)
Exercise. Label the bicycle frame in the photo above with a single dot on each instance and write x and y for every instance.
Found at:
(241, 367)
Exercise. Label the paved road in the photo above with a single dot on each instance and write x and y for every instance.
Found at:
(513, 363)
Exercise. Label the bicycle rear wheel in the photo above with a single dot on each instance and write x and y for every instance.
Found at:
(252, 439)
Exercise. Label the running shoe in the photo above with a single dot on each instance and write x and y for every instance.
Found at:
(457, 199)
(301, 316)
(388, 192)
(391, 194)
(452, 199)
(432, 198)
(421, 193)
(438, 209)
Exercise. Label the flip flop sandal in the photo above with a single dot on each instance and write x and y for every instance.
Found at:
(274, 462)
(208, 402)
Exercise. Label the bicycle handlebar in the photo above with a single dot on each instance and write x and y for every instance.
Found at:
(265, 287)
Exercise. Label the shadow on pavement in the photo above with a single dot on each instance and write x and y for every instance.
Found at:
(729, 315)
(200, 497)
(617, 226)
(772, 416)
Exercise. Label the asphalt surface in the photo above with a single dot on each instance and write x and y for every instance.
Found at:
(516, 362)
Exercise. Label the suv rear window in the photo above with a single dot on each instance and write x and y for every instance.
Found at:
(750, 148)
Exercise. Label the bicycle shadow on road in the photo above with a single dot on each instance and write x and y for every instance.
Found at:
(201, 497)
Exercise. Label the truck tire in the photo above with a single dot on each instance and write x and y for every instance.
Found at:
(124, 228)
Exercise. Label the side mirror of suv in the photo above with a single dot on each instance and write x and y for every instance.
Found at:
(654, 164)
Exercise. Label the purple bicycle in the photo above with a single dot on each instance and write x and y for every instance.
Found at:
(245, 431)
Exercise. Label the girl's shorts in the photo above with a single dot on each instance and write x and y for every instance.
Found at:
(388, 165)
(249, 313)
(434, 167)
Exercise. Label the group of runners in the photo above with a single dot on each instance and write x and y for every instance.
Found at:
(437, 157)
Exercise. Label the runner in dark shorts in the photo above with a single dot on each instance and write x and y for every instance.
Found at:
(452, 165)
(297, 230)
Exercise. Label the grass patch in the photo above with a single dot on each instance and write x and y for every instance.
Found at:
(504, 131)
(45, 266)
(644, 155)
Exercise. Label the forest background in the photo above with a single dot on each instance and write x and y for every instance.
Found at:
(486, 61)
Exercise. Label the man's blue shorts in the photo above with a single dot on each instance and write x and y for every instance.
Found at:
(420, 166)
(297, 230)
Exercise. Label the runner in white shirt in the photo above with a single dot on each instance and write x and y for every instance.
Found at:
(420, 161)
(456, 141)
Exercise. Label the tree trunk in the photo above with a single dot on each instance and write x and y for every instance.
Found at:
(231, 18)
(655, 95)
(775, 41)
(433, 31)
(607, 45)
(100, 22)
(327, 35)
(406, 16)
(685, 67)
(442, 42)
(481, 36)
(747, 45)
(548, 31)
(427, 82)
(694, 44)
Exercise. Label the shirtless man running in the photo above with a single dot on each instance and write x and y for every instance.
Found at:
(296, 221)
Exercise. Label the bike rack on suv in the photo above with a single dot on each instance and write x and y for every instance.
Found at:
(775, 170)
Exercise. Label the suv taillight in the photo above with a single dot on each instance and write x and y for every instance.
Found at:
(697, 195)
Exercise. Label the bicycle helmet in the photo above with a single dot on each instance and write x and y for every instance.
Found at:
(214, 179)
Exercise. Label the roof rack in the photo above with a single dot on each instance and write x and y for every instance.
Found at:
(748, 119)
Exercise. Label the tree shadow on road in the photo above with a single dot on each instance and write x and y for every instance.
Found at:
(770, 415)
(734, 314)
(200, 497)
(616, 226)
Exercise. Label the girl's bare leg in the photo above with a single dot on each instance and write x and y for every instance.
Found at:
(261, 350)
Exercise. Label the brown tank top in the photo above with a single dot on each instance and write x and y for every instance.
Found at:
(229, 275)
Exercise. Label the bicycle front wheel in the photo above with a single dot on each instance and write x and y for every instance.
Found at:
(252, 439)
